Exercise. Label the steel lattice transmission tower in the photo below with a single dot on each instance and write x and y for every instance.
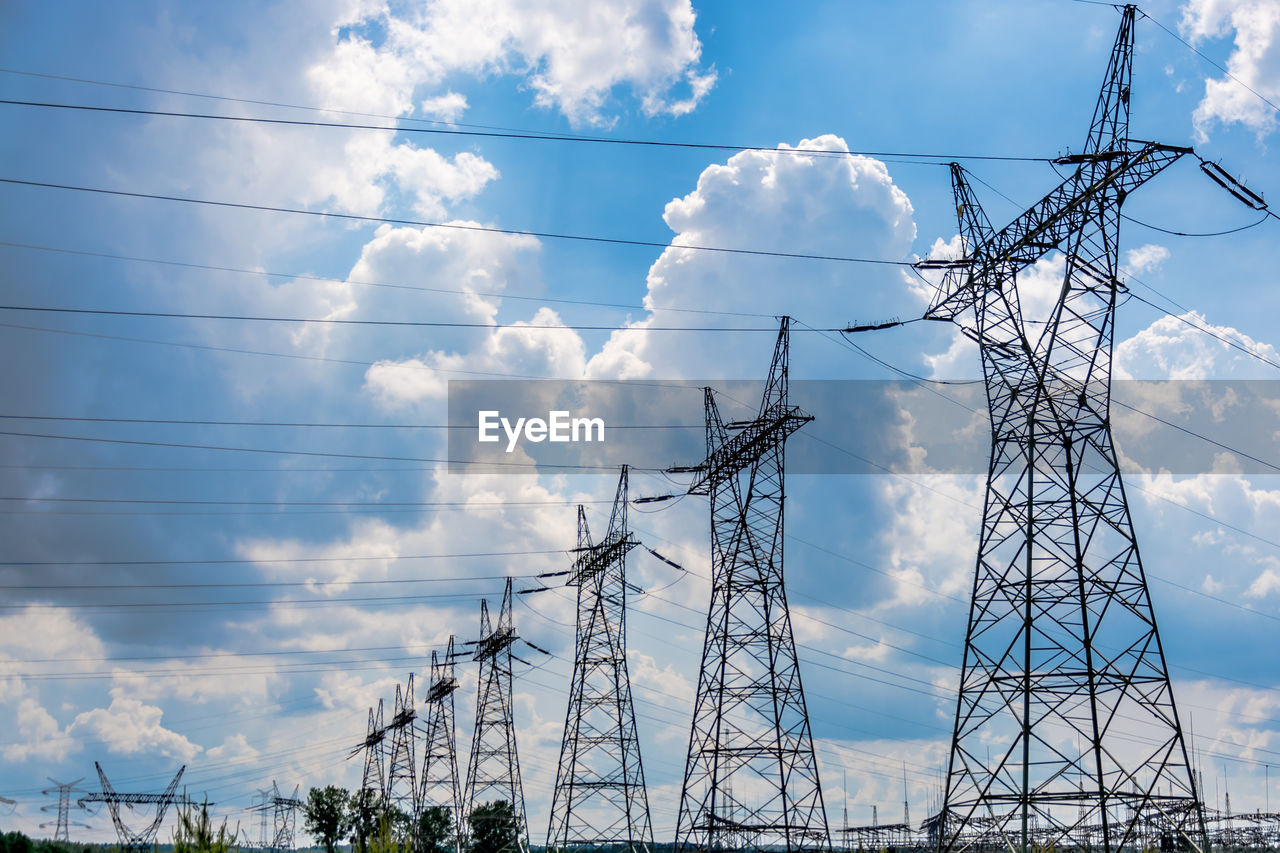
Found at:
(493, 773)
(751, 776)
(130, 841)
(402, 785)
(373, 786)
(64, 790)
(600, 800)
(286, 816)
(1064, 678)
(438, 785)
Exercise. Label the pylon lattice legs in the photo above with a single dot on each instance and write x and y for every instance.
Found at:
(599, 798)
(1064, 683)
(493, 773)
(751, 777)
(438, 783)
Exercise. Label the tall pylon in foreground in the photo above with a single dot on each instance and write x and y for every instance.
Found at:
(751, 777)
(1066, 734)
(494, 770)
(438, 785)
(599, 800)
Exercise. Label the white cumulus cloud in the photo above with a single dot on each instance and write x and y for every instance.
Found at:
(1254, 62)
(129, 727)
(572, 55)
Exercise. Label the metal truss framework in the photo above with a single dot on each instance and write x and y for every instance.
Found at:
(751, 778)
(285, 812)
(1064, 679)
(64, 790)
(600, 800)
(373, 788)
(401, 793)
(130, 841)
(493, 773)
(438, 784)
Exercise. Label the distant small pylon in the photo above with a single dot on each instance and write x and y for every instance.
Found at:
(63, 825)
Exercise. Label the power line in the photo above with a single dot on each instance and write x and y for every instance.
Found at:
(902, 156)
(1265, 216)
(434, 324)
(212, 605)
(207, 502)
(1210, 332)
(234, 562)
(264, 353)
(455, 226)
(299, 424)
(248, 585)
(316, 453)
(1206, 58)
(390, 285)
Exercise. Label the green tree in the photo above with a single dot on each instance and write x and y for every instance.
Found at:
(494, 828)
(327, 815)
(365, 810)
(14, 842)
(435, 830)
(195, 832)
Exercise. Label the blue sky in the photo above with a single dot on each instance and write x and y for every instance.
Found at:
(878, 567)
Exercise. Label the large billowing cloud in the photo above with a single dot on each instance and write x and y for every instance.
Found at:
(129, 727)
(1254, 62)
(807, 203)
(1188, 346)
(573, 56)
(773, 201)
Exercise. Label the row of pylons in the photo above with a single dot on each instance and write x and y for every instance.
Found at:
(1066, 733)
(751, 774)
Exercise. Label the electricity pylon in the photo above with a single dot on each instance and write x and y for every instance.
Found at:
(62, 828)
(372, 795)
(493, 773)
(1064, 678)
(751, 773)
(438, 785)
(402, 787)
(599, 800)
(130, 841)
(286, 816)
(283, 811)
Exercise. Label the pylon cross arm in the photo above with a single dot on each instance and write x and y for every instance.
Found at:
(744, 447)
(595, 558)
(1050, 222)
